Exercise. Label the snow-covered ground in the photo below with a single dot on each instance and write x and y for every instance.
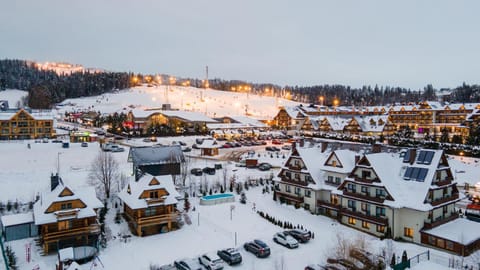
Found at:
(25, 171)
(213, 103)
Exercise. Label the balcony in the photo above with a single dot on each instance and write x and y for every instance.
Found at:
(156, 219)
(332, 183)
(446, 181)
(433, 224)
(364, 180)
(295, 167)
(54, 236)
(151, 201)
(362, 196)
(292, 181)
(289, 196)
(328, 205)
(444, 200)
(359, 215)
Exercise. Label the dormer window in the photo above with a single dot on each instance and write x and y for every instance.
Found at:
(366, 174)
(66, 206)
(153, 194)
(334, 163)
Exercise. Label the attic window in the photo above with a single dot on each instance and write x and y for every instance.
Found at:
(65, 206)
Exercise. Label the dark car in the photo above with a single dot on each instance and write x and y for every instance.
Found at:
(84, 144)
(258, 248)
(264, 166)
(230, 256)
(314, 267)
(209, 170)
(302, 236)
(196, 171)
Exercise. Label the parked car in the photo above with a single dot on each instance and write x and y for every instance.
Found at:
(269, 148)
(194, 146)
(54, 141)
(302, 236)
(209, 170)
(258, 248)
(84, 144)
(264, 166)
(166, 267)
(286, 147)
(116, 148)
(314, 267)
(276, 141)
(230, 256)
(211, 261)
(45, 140)
(196, 171)
(187, 149)
(285, 240)
(188, 264)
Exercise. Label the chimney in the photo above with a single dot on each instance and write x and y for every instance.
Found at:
(413, 155)
(324, 146)
(302, 142)
(357, 159)
(294, 145)
(54, 181)
(376, 148)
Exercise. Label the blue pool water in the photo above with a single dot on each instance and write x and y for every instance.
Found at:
(217, 196)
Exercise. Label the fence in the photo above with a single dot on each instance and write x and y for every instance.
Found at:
(425, 256)
(4, 256)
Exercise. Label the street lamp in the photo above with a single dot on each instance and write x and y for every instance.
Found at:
(321, 100)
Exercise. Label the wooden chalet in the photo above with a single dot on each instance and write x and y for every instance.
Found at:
(26, 124)
(150, 205)
(156, 160)
(209, 148)
(67, 217)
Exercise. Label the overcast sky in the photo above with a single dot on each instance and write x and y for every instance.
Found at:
(407, 43)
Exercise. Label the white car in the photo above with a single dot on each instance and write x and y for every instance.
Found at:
(211, 261)
(285, 240)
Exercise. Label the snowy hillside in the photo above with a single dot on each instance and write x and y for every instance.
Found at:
(12, 96)
(214, 103)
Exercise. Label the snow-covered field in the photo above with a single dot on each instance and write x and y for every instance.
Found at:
(213, 103)
(24, 172)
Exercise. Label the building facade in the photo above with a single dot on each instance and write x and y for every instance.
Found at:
(26, 124)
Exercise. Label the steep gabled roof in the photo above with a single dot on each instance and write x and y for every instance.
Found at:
(63, 193)
(132, 192)
(153, 155)
(346, 159)
(391, 169)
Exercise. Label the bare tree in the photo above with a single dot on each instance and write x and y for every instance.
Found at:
(104, 174)
(184, 170)
(225, 176)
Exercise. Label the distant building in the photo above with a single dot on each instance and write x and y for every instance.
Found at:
(208, 148)
(156, 160)
(26, 124)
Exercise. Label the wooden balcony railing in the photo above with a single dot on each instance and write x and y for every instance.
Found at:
(428, 225)
(445, 199)
(290, 196)
(154, 200)
(364, 180)
(53, 236)
(363, 196)
(444, 182)
(159, 219)
(295, 167)
(292, 181)
(359, 215)
(329, 205)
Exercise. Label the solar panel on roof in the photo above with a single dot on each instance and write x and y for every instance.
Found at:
(421, 157)
(415, 172)
(428, 157)
(406, 158)
(408, 173)
(422, 175)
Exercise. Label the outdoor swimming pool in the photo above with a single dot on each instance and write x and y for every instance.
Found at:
(217, 198)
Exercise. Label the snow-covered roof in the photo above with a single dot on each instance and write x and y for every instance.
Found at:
(293, 112)
(17, 219)
(338, 123)
(157, 154)
(248, 121)
(37, 115)
(390, 169)
(209, 144)
(186, 115)
(460, 230)
(345, 157)
(371, 123)
(87, 195)
(313, 158)
(134, 189)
